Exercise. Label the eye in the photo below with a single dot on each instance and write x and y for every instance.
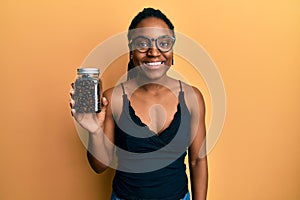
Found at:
(142, 44)
(165, 43)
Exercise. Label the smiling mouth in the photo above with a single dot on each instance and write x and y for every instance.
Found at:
(154, 65)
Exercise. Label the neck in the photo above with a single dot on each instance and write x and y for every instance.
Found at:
(147, 84)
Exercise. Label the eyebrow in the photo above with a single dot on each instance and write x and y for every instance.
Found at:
(144, 36)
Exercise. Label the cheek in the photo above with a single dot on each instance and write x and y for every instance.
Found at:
(169, 58)
(136, 57)
(135, 61)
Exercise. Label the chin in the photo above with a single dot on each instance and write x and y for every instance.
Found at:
(154, 73)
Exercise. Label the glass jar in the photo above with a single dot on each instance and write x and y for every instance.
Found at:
(87, 92)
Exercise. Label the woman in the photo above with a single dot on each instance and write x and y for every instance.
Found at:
(150, 121)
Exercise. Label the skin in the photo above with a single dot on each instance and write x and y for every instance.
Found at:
(154, 97)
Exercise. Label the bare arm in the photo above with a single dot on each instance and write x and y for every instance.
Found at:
(197, 150)
(100, 148)
(101, 134)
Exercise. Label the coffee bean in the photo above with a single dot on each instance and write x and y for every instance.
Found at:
(86, 95)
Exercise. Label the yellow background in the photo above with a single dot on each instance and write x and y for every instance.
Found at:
(255, 45)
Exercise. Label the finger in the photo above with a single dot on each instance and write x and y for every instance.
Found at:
(77, 116)
(73, 112)
(72, 85)
(104, 101)
(71, 92)
(72, 103)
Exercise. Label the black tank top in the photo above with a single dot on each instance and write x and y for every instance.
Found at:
(151, 166)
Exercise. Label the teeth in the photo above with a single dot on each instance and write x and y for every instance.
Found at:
(154, 63)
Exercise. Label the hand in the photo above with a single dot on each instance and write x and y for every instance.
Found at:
(92, 122)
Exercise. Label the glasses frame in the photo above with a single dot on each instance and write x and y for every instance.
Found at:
(151, 43)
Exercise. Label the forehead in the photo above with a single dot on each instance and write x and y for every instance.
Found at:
(151, 27)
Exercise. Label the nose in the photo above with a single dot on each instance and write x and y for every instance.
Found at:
(153, 50)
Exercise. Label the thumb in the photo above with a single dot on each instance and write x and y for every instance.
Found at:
(104, 103)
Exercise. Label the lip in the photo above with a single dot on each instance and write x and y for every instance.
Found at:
(153, 64)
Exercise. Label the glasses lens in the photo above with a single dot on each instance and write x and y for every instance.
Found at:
(165, 43)
(141, 43)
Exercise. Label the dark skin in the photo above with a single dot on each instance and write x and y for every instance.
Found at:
(154, 97)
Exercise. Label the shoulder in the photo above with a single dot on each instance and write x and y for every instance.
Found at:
(191, 91)
(115, 100)
(193, 97)
(113, 92)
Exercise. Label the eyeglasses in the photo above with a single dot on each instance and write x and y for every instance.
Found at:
(143, 44)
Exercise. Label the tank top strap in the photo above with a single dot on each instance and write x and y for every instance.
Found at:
(181, 94)
(180, 84)
(123, 88)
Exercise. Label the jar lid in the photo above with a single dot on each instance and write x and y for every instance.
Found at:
(88, 71)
